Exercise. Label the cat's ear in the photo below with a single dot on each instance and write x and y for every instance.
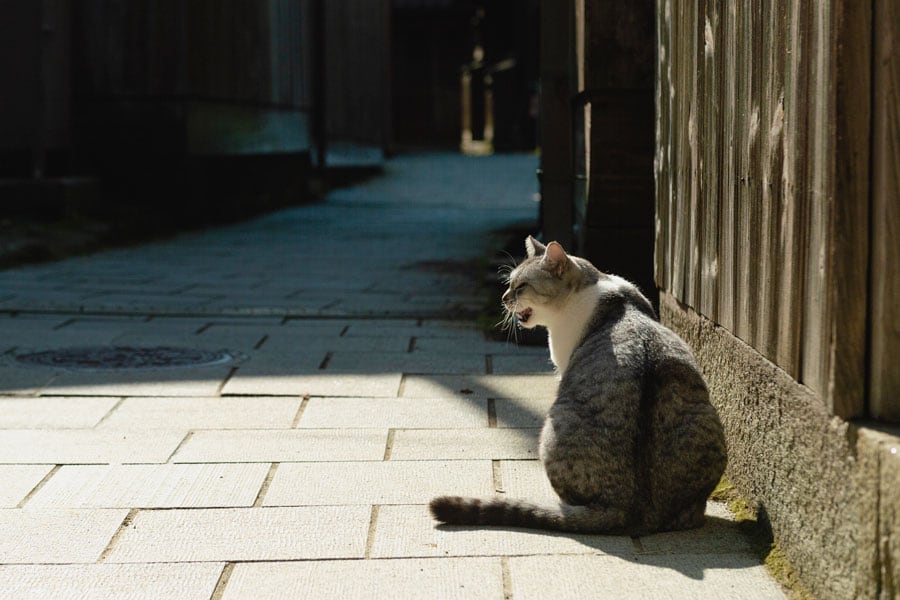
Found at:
(555, 259)
(534, 247)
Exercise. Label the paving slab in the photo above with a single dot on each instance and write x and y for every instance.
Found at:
(34, 323)
(236, 341)
(389, 482)
(43, 299)
(18, 481)
(28, 340)
(254, 380)
(152, 486)
(245, 412)
(394, 413)
(425, 579)
(288, 343)
(56, 536)
(406, 362)
(142, 301)
(480, 386)
(526, 480)
(237, 534)
(302, 360)
(121, 325)
(504, 364)
(461, 444)
(522, 412)
(697, 576)
(314, 327)
(53, 412)
(275, 445)
(409, 531)
(477, 345)
(169, 382)
(366, 302)
(172, 581)
(720, 533)
(450, 327)
(219, 323)
(22, 381)
(86, 446)
(408, 328)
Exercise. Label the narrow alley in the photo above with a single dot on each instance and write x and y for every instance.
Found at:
(265, 409)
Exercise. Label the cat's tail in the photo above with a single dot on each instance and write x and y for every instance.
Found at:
(455, 510)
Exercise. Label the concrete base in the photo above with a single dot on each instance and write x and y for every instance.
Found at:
(828, 488)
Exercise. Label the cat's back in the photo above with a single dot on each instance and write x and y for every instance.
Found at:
(620, 339)
(624, 339)
(639, 377)
(632, 371)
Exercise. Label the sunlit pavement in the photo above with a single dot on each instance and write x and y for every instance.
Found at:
(264, 410)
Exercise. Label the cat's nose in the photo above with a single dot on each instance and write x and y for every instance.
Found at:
(505, 297)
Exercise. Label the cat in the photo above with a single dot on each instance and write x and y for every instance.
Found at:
(632, 444)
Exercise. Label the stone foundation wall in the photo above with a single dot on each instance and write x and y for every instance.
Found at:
(830, 489)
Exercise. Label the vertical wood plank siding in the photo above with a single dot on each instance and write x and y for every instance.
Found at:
(884, 374)
(356, 64)
(762, 179)
(237, 52)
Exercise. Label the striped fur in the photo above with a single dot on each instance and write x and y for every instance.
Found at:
(631, 444)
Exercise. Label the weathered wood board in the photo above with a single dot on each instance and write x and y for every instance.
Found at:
(762, 166)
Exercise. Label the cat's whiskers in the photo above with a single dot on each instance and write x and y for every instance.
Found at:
(508, 322)
(505, 270)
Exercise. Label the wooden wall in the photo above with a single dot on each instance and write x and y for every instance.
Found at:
(763, 180)
(616, 68)
(558, 89)
(35, 75)
(357, 76)
(245, 52)
(200, 108)
(884, 324)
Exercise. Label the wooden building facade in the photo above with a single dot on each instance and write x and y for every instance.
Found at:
(597, 79)
(206, 106)
(777, 213)
(755, 183)
(770, 220)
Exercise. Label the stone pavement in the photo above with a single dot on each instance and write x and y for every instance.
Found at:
(341, 384)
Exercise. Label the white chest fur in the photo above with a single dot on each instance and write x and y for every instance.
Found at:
(567, 326)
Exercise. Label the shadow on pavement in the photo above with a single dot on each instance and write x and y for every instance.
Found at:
(353, 315)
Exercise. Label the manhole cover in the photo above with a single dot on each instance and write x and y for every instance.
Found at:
(126, 357)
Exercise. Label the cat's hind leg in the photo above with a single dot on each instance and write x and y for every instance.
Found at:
(690, 517)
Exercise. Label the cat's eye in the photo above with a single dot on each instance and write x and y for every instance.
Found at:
(518, 289)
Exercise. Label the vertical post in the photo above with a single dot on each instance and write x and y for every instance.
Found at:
(488, 112)
(884, 256)
(320, 129)
(38, 142)
(387, 124)
(849, 220)
(615, 215)
(466, 102)
(557, 56)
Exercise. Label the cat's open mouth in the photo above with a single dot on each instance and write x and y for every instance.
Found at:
(523, 316)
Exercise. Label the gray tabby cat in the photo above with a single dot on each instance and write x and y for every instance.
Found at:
(632, 444)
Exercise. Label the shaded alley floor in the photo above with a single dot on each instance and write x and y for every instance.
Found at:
(334, 380)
